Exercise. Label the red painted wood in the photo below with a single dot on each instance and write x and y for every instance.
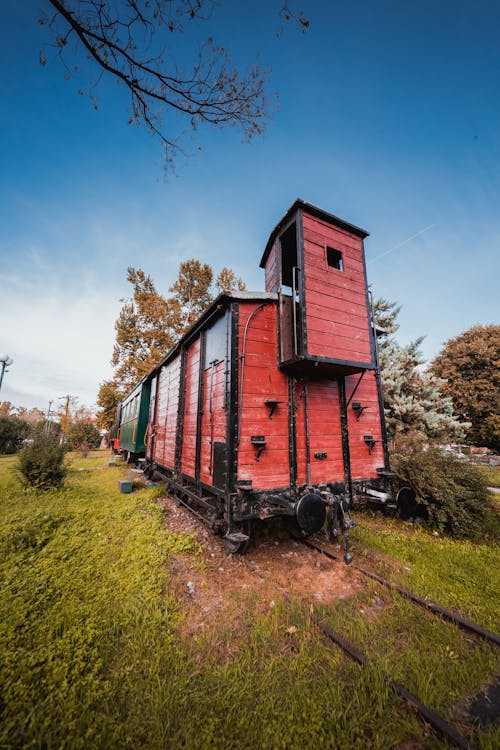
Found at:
(317, 259)
(329, 232)
(336, 308)
(190, 409)
(165, 424)
(363, 464)
(271, 272)
(262, 380)
(324, 432)
(213, 425)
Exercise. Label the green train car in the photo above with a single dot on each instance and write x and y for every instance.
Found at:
(134, 415)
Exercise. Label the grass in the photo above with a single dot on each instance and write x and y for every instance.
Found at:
(455, 573)
(491, 475)
(94, 651)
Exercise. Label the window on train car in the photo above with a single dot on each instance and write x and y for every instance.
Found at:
(217, 341)
(288, 242)
(334, 258)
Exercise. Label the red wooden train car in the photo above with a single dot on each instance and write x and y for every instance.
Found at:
(271, 405)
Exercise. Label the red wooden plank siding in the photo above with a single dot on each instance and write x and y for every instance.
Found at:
(364, 465)
(261, 381)
(165, 426)
(336, 310)
(191, 409)
(213, 427)
(324, 432)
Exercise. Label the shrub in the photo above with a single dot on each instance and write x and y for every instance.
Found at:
(453, 492)
(41, 464)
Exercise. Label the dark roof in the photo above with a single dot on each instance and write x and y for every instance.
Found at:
(308, 208)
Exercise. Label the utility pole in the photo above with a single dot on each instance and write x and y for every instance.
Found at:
(48, 418)
(66, 415)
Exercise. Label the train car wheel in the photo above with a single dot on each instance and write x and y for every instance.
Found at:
(236, 542)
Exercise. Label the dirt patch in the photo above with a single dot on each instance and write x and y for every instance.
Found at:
(484, 708)
(220, 585)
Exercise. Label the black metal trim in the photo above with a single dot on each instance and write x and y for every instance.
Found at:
(179, 432)
(308, 208)
(302, 339)
(199, 414)
(355, 388)
(232, 402)
(356, 366)
(368, 306)
(344, 431)
(380, 393)
(153, 397)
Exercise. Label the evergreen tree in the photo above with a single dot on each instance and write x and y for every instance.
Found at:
(413, 400)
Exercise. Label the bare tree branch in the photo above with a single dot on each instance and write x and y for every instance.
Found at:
(122, 37)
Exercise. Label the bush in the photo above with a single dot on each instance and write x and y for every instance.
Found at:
(453, 492)
(41, 464)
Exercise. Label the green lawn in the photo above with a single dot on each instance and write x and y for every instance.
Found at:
(491, 475)
(96, 650)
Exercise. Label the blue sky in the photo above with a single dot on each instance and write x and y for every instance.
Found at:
(388, 115)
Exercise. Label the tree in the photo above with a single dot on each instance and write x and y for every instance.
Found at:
(133, 42)
(192, 294)
(13, 432)
(469, 365)
(33, 416)
(109, 396)
(149, 324)
(82, 435)
(227, 281)
(6, 408)
(413, 400)
(145, 330)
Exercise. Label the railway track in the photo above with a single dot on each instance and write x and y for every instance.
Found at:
(436, 609)
(429, 717)
(426, 715)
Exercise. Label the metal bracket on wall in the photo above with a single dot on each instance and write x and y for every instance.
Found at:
(370, 442)
(358, 409)
(271, 405)
(259, 442)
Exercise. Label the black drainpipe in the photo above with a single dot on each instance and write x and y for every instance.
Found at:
(345, 438)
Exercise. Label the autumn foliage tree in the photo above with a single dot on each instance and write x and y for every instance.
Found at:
(149, 324)
(109, 396)
(469, 366)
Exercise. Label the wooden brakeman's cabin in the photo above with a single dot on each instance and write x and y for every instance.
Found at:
(271, 404)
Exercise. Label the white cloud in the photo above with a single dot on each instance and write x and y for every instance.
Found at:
(60, 336)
